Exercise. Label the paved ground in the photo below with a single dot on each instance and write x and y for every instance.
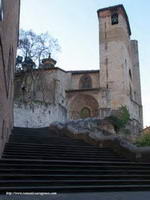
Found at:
(81, 196)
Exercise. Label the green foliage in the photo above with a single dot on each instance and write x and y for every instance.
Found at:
(115, 122)
(119, 118)
(143, 140)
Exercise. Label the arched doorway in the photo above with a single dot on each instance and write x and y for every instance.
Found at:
(83, 106)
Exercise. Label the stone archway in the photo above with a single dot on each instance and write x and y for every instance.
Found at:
(83, 106)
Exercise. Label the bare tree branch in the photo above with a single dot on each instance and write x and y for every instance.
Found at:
(36, 46)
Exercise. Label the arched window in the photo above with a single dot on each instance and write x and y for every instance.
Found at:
(85, 112)
(85, 82)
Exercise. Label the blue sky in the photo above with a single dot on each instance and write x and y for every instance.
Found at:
(74, 23)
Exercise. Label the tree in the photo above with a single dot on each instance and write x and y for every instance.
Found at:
(34, 47)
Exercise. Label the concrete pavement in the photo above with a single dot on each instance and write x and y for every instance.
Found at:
(81, 196)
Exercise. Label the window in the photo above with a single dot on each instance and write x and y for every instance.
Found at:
(114, 18)
(85, 113)
(1, 10)
(130, 74)
(85, 82)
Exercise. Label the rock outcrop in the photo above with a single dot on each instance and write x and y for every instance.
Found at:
(101, 133)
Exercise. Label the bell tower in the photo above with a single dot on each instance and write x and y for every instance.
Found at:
(117, 72)
(114, 39)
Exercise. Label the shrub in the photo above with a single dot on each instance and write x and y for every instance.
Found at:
(119, 118)
(143, 140)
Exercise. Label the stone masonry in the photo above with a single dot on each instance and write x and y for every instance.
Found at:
(88, 93)
(9, 25)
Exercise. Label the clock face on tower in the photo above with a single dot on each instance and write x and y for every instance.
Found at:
(114, 18)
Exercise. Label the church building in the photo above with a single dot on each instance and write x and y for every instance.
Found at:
(52, 94)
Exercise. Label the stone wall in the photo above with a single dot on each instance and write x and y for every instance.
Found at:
(40, 97)
(9, 25)
(36, 86)
(96, 92)
(119, 62)
(136, 79)
(76, 79)
(38, 115)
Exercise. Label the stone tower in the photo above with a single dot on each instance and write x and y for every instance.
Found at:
(119, 62)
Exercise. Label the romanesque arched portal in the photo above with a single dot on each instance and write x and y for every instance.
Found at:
(83, 106)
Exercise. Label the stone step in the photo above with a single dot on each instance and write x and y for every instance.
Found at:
(44, 136)
(80, 182)
(61, 153)
(58, 155)
(43, 139)
(64, 154)
(24, 156)
(65, 166)
(75, 171)
(73, 176)
(49, 134)
(58, 151)
(53, 145)
(68, 147)
(46, 141)
(77, 148)
(39, 160)
(71, 162)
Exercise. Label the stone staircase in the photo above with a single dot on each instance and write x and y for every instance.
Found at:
(37, 160)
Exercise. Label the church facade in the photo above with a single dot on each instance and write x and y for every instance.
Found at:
(52, 94)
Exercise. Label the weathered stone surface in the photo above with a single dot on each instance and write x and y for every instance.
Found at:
(119, 63)
(97, 92)
(91, 131)
(38, 115)
(92, 127)
(43, 100)
(8, 44)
